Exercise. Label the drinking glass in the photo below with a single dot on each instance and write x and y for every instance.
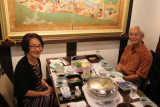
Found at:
(133, 90)
(98, 53)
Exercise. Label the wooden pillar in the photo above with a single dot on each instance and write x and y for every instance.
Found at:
(123, 43)
(71, 49)
(0, 32)
(6, 61)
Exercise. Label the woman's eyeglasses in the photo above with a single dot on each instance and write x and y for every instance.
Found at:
(35, 47)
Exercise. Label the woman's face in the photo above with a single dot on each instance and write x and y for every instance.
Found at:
(35, 48)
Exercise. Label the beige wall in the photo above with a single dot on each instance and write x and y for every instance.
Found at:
(146, 14)
(108, 49)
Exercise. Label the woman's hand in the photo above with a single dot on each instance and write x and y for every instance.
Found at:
(48, 92)
(50, 89)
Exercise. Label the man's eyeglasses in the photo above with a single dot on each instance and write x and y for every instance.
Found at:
(35, 47)
(134, 34)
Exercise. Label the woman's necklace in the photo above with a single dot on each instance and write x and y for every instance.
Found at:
(35, 62)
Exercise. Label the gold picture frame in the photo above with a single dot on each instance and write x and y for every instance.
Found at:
(95, 24)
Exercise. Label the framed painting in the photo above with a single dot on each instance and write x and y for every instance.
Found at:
(63, 18)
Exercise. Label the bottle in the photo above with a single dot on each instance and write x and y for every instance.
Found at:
(77, 92)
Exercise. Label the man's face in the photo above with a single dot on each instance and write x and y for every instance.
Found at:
(135, 36)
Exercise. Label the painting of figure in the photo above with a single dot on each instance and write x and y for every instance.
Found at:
(65, 15)
(72, 11)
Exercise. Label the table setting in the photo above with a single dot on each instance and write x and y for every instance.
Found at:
(97, 82)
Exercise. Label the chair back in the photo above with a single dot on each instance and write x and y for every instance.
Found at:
(152, 90)
(7, 90)
(158, 48)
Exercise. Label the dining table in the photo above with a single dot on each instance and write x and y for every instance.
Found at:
(67, 62)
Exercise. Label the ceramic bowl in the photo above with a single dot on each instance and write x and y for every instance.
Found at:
(146, 102)
(70, 70)
(109, 67)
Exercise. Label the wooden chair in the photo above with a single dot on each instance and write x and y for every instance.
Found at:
(152, 90)
(7, 98)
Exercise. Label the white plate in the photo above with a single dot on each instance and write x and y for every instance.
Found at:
(55, 64)
(115, 74)
(94, 100)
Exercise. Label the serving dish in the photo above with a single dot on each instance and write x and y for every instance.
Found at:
(74, 80)
(93, 58)
(125, 86)
(80, 65)
(115, 74)
(102, 86)
(55, 65)
(72, 98)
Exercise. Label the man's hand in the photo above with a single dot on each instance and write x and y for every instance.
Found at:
(131, 77)
(119, 67)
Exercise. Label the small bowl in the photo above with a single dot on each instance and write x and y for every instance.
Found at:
(70, 70)
(59, 70)
(109, 67)
(61, 76)
(146, 102)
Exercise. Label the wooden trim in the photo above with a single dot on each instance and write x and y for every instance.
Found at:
(6, 62)
(123, 43)
(71, 49)
(70, 40)
(0, 32)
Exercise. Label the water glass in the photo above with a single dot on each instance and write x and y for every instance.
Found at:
(133, 90)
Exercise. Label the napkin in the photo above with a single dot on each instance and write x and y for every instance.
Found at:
(135, 96)
(118, 79)
(55, 60)
(137, 104)
(60, 60)
(77, 104)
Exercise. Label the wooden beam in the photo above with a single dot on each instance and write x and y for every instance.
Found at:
(71, 49)
(6, 61)
(123, 43)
